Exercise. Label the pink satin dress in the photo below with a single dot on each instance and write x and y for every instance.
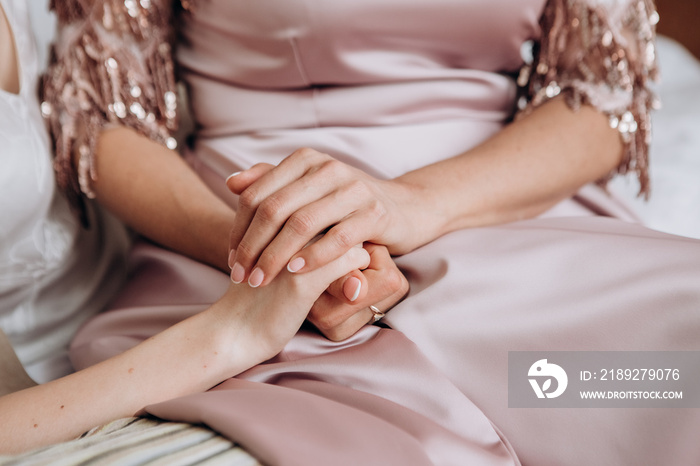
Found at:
(390, 86)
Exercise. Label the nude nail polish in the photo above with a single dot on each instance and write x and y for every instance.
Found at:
(232, 175)
(352, 288)
(231, 258)
(256, 277)
(296, 264)
(237, 273)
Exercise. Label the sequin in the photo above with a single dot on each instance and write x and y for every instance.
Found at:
(526, 52)
(131, 8)
(107, 19)
(603, 62)
(138, 110)
(46, 109)
(119, 109)
(654, 18)
(607, 39)
(94, 81)
(170, 100)
(552, 90)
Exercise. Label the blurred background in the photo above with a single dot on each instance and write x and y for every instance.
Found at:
(679, 20)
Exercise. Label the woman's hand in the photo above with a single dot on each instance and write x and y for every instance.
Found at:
(265, 319)
(243, 328)
(338, 316)
(282, 208)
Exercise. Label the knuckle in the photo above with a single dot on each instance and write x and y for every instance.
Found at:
(356, 188)
(395, 281)
(268, 260)
(342, 237)
(270, 209)
(332, 167)
(244, 253)
(248, 199)
(377, 209)
(328, 321)
(304, 153)
(302, 223)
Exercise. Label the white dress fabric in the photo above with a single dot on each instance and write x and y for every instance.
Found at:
(53, 274)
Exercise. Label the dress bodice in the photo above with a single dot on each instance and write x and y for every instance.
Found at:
(294, 44)
(304, 63)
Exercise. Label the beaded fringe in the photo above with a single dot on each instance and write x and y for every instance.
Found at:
(113, 66)
(600, 54)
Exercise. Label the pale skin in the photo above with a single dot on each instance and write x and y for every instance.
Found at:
(154, 191)
(519, 173)
(245, 327)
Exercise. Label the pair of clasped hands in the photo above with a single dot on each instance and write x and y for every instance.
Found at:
(283, 208)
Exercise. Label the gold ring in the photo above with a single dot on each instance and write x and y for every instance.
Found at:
(376, 314)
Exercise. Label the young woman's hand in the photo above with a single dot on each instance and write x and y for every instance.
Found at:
(306, 194)
(265, 319)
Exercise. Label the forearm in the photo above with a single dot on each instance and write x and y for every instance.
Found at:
(155, 192)
(519, 173)
(243, 328)
(189, 357)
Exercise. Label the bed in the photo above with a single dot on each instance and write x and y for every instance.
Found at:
(674, 207)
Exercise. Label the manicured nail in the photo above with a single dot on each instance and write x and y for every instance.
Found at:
(256, 277)
(231, 258)
(237, 273)
(351, 288)
(232, 175)
(296, 264)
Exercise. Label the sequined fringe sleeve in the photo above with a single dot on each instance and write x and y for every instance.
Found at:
(111, 65)
(600, 53)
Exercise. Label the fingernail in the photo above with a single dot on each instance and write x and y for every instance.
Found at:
(296, 264)
(351, 288)
(256, 277)
(232, 175)
(231, 258)
(237, 273)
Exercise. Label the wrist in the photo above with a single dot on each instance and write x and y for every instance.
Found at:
(239, 326)
(422, 215)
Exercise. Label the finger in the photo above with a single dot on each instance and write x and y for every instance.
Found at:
(356, 228)
(350, 288)
(250, 198)
(387, 285)
(305, 223)
(239, 182)
(295, 205)
(338, 319)
(341, 321)
(354, 259)
(269, 181)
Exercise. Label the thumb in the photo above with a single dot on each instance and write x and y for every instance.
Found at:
(350, 288)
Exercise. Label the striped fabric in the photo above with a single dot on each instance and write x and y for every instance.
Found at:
(140, 441)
